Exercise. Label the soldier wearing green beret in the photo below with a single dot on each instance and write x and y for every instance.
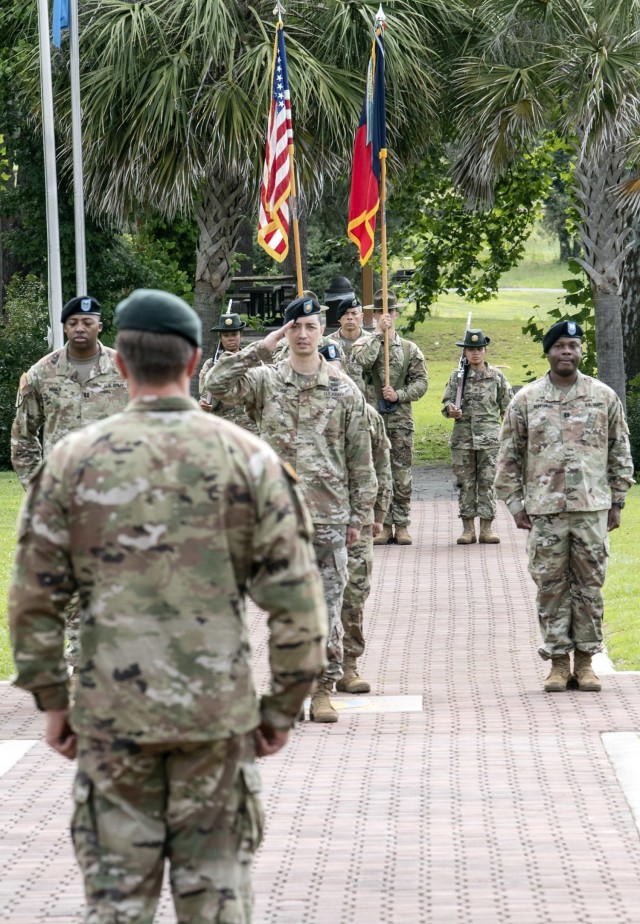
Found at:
(475, 437)
(164, 518)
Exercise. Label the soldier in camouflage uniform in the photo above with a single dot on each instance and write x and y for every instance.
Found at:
(564, 468)
(350, 318)
(65, 390)
(283, 350)
(164, 519)
(230, 327)
(475, 438)
(407, 383)
(311, 414)
(360, 562)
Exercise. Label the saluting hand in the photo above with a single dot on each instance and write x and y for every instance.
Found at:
(272, 340)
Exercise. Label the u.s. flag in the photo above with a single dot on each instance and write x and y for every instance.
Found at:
(273, 219)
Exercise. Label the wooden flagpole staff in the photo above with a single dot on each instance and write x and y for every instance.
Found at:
(381, 21)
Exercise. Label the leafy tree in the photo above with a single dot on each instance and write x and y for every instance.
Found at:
(456, 247)
(571, 65)
(175, 97)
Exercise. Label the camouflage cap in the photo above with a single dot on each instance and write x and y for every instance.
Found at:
(474, 337)
(561, 329)
(301, 308)
(159, 313)
(82, 304)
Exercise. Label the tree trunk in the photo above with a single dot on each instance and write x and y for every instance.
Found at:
(630, 313)
(604, 232)
(609, 348)
(220, 214)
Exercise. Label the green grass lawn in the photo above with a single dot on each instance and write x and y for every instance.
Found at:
(11, 495)
(622, 588)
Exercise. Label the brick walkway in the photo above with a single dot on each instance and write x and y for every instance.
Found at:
(492, 803)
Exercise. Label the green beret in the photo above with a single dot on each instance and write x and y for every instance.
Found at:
(159, 313)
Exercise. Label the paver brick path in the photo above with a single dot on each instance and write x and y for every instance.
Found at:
(495, 803)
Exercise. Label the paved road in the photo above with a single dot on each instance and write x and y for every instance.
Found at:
(457, 792)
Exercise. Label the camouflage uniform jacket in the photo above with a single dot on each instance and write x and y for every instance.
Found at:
(51, 398)
(352, 368)
(233, 412)
(368, 352)
(163, 518)
(485, 400)
(564, 451)
(380, 452)
(313, 422)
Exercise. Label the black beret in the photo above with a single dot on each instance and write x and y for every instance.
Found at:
(159, 313)
(82, 304)
(345, 304)
(329, 351)
(301, 308)
(227, 323)
(561, 329)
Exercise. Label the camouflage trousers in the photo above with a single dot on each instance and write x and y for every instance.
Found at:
(568, 554)
(359, 566)
(195, 804)
(401, 453)
(329, 544)
(475, 470)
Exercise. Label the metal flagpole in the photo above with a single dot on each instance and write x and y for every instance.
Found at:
(51, 183)
(76, 129)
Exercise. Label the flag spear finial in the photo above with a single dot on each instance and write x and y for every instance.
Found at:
(279, 10)
(381, 19)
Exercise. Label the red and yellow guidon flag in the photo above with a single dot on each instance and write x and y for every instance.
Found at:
(371, 138)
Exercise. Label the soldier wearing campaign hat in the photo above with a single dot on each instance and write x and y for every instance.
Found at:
(230, 326)
(312, 415)
(475, 437)
(66, 389)
(564, 468)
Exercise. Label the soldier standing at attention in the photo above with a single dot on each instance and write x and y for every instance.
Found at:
(564, 468)
(65, 390)
(360, 561)
(165, 519)
(230, 327)
(474, 442)
(350, 318)
(407, 383)
(312, 415)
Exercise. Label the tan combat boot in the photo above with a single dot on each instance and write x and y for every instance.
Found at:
(321, 709)
(351, 681)
(588, 682)
(559, 675)
(469, 534)
(385, 536)
(402, 536)
(486, 534)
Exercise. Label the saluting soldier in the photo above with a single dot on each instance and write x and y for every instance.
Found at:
(230, 327)
(311, 414)
(164, 519)
(408, 382)
(564, 469)
(476, 435)
(65, 390)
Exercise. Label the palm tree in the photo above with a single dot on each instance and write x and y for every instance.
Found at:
(572, 66)
(175, 96)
